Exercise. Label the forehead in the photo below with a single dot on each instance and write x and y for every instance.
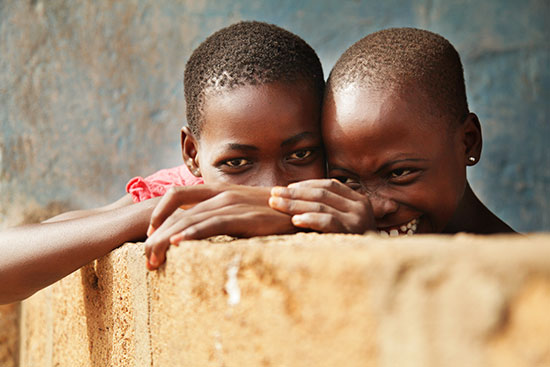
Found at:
(367, 126)
(266, 112)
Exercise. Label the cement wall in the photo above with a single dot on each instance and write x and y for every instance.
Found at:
(304, 300)
(91, 92)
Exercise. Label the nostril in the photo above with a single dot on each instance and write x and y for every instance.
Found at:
(382, 206)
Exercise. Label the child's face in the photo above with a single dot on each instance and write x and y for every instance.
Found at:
(409, 163)
(262, 135)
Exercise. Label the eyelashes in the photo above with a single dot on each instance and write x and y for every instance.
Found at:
(236, 162)
(241, 164)
(398, 176)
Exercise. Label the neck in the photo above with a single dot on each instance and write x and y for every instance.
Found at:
(474, 217)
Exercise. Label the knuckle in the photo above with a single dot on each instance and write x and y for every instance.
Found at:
(172, 192)
(289, 205)
(319, 194)
(158, 247)
(332, 184)
(321, 208)
(227, 197)
(331, 221)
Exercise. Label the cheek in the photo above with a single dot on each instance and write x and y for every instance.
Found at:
(442, 200)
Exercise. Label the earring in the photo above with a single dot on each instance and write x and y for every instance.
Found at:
(472, 159)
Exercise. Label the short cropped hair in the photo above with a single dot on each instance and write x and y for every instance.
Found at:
(247, 53)
(406, 59)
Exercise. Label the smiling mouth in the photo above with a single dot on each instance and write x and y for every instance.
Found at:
(407, 229)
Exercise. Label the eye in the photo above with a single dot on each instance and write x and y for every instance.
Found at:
(236, 162)
(301, 154)
(348, 181)
(403, 176)
(400, 172)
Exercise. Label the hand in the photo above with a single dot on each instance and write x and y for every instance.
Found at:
(239, 211)
(324, 205)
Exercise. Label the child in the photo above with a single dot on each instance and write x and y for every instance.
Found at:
(253, 94)
(396, 128)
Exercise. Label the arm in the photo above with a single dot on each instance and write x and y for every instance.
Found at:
(35, 256)
(122, 202)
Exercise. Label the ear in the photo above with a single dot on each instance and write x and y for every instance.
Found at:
(472, 139)
(189, 150)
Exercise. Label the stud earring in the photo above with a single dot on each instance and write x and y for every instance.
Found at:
(472, 159)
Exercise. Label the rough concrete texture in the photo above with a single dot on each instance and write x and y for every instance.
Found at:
(303, 300)
(91, 92)
(9, 335)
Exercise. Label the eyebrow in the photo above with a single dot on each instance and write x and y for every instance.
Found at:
(296, 138)
(292, 140)
(236, 146)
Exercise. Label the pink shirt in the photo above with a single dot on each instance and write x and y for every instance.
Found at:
(159, 182)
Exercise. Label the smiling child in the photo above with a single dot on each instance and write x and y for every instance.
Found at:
(397, 129)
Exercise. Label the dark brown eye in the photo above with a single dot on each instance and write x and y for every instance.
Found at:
(400, 172)
(300, 154)
(236, 162)
(348, 181)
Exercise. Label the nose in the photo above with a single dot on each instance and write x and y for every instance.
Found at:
(271, 176)
(382, 205)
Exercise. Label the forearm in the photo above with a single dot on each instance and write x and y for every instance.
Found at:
(36, 256)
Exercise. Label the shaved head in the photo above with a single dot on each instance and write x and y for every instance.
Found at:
(406, 60)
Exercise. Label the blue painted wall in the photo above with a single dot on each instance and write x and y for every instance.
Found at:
(91, 94)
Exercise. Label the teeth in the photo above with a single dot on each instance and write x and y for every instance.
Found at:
(409, 229)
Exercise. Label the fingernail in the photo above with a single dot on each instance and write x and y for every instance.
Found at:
(154, 260)
(148, 265)
(150, 230)
(277, 190)
(297, 219)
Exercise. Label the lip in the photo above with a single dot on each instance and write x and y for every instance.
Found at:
(407, 228)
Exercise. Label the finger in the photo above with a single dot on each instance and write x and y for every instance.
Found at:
(178, 196)
(331, 185)
(295, 206)
(158, 253)
(256, 221)
(148, 252)
(285, 196)
(322, 222)
(170, 231)
(213, 226)
(178, 222)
